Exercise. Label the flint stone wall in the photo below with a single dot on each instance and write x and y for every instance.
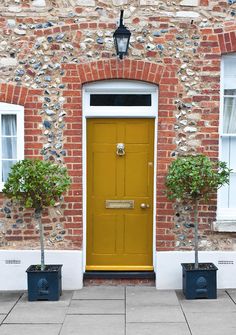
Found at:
(48, 49)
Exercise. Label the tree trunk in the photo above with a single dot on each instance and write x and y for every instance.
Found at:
(38, 217)
(196, 232)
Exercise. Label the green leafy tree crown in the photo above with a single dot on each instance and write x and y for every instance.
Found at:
(36, 183)
(195, 177)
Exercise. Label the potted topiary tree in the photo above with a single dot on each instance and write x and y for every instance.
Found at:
(38, 184)
(191, 179)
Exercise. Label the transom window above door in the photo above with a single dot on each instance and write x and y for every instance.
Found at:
(128, 98)
(120, 99)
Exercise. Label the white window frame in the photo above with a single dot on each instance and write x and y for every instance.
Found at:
(226, 217)
(119, 86)
(11, 109)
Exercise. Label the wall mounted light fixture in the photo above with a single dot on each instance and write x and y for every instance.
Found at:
(121, 38)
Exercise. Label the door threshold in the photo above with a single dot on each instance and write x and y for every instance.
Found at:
(119, 275)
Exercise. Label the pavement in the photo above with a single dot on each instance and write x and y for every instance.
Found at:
(118, 310)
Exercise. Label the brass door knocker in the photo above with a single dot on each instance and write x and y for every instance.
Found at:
(120, 149)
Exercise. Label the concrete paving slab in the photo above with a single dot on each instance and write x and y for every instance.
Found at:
(222, 303)
(138, 295)
(146, 304)
(154, 313)
(2, 317)
(94, 325)
(101, 311)
(96, 307)
(208, 306)
(157, 329)
(7, 301)
(100, 292)
(64, 300)
(232, 294)
(37, 312)
(221, 295)
(212, 323)
(30, 329)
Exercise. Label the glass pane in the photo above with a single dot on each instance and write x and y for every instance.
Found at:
(229, 122)
(122, 44)
(6, 167)
(120, 100)
(9, 125)
(230, 66)
(230, 92)
(224, 196)
(232, 188)
(225, 151)
(232, 156)
(230, 73)
(9, 147)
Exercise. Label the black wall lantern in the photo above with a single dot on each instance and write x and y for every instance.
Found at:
(121, 38)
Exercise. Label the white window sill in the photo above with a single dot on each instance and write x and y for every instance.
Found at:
(224, 225)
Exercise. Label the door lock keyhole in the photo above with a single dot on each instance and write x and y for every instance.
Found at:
(120, 149)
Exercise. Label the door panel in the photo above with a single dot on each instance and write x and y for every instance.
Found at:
(101, 135)
(104, 243)
(101, 168)
(136, 133)
(119, 238)
(136, 173)
(139, 241)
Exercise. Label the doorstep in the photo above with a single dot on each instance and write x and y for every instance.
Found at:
(149, 275)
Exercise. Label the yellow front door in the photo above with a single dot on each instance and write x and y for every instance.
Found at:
(120, 194)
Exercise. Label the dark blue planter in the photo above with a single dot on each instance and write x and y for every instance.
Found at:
(199, 283)
(44, 285)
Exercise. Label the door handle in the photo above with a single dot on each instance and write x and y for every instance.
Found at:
(144, 206)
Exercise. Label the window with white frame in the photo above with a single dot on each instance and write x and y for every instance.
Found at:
(11, 138)
(227, 194)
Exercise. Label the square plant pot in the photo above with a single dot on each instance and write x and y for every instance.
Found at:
(199, 283)
(44, 285)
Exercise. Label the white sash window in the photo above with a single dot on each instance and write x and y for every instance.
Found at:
(227, 194)
(11, 138)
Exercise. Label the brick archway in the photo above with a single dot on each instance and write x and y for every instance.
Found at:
(13, 94)
(227, 42)
(116, 69)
